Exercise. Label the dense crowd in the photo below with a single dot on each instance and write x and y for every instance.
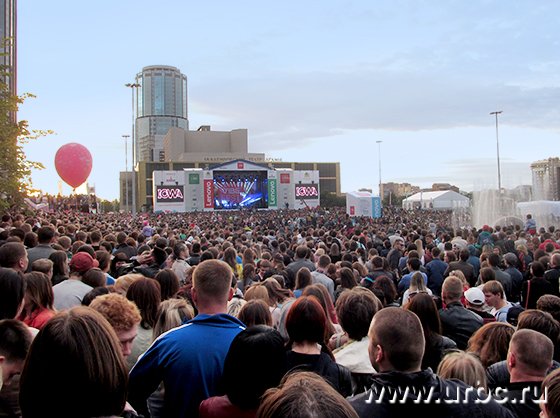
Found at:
(290, 313)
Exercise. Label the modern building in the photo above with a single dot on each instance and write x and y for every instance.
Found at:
(161, 104)
(546, 179)
(8, 47)
(440, 187)
(392, 190)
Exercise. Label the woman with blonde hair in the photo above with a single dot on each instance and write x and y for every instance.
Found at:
(171, 314)
(257, 291)
(463, 366)
(417, 285)
(420, 250)
(123, 282)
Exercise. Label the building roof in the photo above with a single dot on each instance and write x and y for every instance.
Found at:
(249, 164)
(443, 194)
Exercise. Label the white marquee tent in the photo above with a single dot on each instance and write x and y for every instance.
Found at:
(446, 199)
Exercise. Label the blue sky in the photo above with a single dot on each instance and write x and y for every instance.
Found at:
(310, 80)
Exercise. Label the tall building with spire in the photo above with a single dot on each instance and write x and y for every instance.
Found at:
(161, 103)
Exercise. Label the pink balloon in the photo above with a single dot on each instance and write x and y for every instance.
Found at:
(73, 164)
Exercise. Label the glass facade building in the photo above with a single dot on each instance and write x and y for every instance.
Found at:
(161, 103)
(8, 34)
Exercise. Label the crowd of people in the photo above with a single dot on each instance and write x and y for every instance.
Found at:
(289, 313)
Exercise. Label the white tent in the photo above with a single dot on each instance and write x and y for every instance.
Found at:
(445, 199)
(363, 204)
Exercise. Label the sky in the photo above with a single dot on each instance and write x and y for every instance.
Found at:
(317, 81)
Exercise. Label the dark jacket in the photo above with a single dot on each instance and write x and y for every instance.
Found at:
(531, 293)
(377, 402)
(506, 281)
(459, 324)
(465, 268)
(127, 249)
(435, 270)
(517, 282)
(338, 376)
(521, 398)
(497, 375)
(553, 277)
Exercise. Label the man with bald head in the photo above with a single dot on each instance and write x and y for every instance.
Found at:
(402, 388)
(528, 360)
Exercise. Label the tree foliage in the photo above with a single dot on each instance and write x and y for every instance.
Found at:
(15, 168)
(331, 200)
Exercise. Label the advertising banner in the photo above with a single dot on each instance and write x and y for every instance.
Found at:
(208, 194)
(272, 193)
(376, 202)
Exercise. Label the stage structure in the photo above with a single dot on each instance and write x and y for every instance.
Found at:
(235, 185)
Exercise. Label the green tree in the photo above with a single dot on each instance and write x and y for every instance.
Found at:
(331, 200)
(15, 168)
(109, 206)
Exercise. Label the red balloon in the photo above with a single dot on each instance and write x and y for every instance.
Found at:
(73, 164)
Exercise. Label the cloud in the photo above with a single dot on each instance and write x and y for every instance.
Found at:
(282, 109)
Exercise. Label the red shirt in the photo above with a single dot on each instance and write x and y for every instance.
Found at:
(221, 407)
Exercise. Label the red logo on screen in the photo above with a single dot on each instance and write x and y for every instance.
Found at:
(240, 166)
(208, 193)
(352, 210)
(284, 178)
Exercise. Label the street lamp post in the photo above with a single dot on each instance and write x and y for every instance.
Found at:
(379, 163)
(496, 113)
(133, 86)
(125, 137)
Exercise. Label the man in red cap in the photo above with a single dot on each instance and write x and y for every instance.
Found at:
(69, 293)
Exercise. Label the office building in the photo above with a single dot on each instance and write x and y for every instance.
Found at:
(8, 49)
(161, 104)
(546, 179)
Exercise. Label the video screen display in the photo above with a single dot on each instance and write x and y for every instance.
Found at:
(307, 191)
(240, 189)
(169, 194)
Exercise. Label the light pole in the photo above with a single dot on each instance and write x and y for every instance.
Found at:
(379, 163)
(496, 113)
(133, 86)
(125, 137)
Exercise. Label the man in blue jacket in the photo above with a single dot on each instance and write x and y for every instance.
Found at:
(189, 360)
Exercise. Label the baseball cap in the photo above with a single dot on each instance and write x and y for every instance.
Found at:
(475, 296)
(82, 262)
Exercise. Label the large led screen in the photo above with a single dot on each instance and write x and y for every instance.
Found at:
(240, 189)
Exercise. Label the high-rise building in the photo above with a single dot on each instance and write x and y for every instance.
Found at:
(161, 104)
(8, 44)
(546, 179)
